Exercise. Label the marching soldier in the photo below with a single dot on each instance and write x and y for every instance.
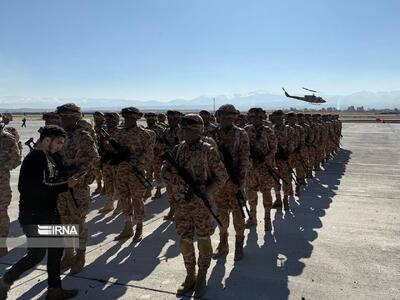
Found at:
(79, 154)
(161, 118)
(200, 161)
(261, 176)
(309, 137)
(233, 145)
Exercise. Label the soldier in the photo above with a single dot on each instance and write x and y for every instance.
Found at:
(171, 139)
(297, 159)
(109, 170)
(201, 161)
(79, 154)
(130, 186)
(233, 144)
(155, 166)
(286, 145)
(10, 158)
(7, 118)
(241, 120)
(209, 126)
(309, 138)
(51, 118)
(99, 123)
(161, 118)
(261, 175)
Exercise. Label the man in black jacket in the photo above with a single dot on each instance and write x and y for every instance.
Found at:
(40, 182)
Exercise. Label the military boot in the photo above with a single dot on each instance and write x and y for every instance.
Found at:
(67, 260)
(98, 189)
(126, 233)
(109, 206)
(189, 282)
(170, 215)
(297, 193)
(118, 209)
(79, 262)
(267, 224)
(286, 202)
(138, 233)
(239, 248)
(60, 293)
(223, 247)
(251, 222)
(4, 288)
(158, 193)
(147, 194)
(200, 285)
(278, 202)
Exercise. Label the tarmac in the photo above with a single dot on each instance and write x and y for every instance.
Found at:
(339, 241)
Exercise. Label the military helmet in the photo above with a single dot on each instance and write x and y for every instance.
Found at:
(69, 109)
(192, 121)
(227, 109)
(131, 112)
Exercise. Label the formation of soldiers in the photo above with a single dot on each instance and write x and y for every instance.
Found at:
(212, 166)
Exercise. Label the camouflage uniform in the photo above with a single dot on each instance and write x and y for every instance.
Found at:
(110, 171)
(171, 138)
(78, 154)
(10, 158)
(202, 162)
(130, 189)
(286, 145)
(262, 139)
(234, 142)
(99, 121)
(159, 149)
(309, 137)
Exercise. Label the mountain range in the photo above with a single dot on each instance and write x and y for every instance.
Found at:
(243, 102)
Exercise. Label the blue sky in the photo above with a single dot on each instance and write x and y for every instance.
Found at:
(167, 49)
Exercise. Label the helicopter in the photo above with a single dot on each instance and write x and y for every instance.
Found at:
(307, 98)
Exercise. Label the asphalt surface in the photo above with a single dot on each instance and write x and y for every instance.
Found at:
(340, 240)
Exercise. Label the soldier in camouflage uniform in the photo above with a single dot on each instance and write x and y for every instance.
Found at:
(209, 126)
(201, 160)
(110, 171)
(241, 120)
(233, 145)
(286, 145)
(171, 139)
(161, 118)
(10, 158)
(130, 189)
(79, 154)
(159, 148)
(298, 157)
(99, 123)
(51, 118)
(7, 118)
(309, 138)
(263, 146)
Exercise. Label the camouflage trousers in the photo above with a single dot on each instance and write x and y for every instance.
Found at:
(283, 172)
(192, 220)
(131, 193)
(72, 214)
(227, 203)
(311, 159)
(155, 170)
(110, 181)
(299, 162)
(259, 179)
(98, 174)
(171, 197)
(5, 200)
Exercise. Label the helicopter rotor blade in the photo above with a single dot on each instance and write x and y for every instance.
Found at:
(309, 90)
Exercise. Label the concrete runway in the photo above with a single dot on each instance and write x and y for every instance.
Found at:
(340, 240)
